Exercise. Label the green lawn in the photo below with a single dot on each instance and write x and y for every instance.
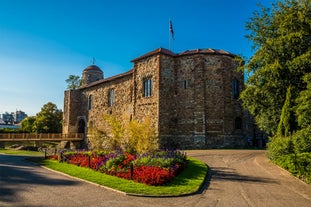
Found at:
(187, 182)
(21, 152)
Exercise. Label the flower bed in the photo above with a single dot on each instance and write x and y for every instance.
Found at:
(152, 169)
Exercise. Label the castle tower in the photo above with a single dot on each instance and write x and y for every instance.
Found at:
(91, 74)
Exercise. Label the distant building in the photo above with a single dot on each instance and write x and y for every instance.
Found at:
(8, 118)
(13, 118)
(192, 99)
(19, 116)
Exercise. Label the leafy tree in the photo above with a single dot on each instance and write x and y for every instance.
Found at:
(303, 110)
(302, 139)
(281, 39)
(73, 82)
(27, 124)
(48, 120)
(287, 120)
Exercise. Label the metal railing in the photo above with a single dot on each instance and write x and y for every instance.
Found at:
(41, 137)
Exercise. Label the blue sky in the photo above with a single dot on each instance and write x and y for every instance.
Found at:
(42, 42)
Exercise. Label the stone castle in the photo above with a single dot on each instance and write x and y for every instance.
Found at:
(191, 97)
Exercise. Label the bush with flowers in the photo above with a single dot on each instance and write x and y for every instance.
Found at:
(155, 168)
(130, 152)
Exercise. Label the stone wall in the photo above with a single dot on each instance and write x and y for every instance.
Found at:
(192, 103)
(147, 68)
(197, 109)
(121, 107)
(167, 100)
(73, 100)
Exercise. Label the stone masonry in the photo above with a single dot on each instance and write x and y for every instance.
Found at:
(191, 97)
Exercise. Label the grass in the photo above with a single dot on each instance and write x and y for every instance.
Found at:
(187, 182)
(21, 152)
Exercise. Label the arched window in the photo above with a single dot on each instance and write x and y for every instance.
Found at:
(238, 123)
(90, 102)
(235, 88)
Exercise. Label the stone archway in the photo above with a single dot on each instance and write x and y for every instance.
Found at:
(81, 126)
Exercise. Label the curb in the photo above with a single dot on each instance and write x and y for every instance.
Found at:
(199, 190)
(86, 181)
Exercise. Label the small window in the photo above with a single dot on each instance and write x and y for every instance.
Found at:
(185, 84)
(147, 88)
(235, 89)
(90, 102)
(238, 123)
(111, 97)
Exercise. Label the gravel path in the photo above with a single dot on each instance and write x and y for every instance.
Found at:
(238, 178)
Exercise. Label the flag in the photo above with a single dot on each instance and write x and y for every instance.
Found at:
(171, 30)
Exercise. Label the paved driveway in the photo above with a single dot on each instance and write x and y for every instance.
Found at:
(238, 178)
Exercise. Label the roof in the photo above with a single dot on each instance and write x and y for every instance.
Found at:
(92, 67)
(206, 51)
(108, 79)
(154, 52)
(187, 52)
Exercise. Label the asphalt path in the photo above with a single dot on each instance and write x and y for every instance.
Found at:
(238, 178)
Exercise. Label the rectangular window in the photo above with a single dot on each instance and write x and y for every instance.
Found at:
(185, 84)
(111, 97)
(238, 123)
(235, 89)
(147, 88)
(90, 102)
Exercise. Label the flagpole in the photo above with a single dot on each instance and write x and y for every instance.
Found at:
(169, 34)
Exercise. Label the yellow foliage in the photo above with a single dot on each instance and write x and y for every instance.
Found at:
(142, 136)
(97, 139)
(123, 133)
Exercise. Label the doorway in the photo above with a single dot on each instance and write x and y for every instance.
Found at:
(81, 126)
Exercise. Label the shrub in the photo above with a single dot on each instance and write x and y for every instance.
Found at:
(52, 157)
(303, 162)
(155, 168)
(293, 153)
(97, 139)
(152, 175)
(280, 146)
(302, 140)
(121, 162)
(125, 134)
(163, 159)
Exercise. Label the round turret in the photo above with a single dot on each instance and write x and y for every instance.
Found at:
(91, 74)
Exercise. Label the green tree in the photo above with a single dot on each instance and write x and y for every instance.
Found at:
(27, 124)
(48, 120)
(73, 82)
(302, 139)
(281, 39)
(303, 110)
(287, 120)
